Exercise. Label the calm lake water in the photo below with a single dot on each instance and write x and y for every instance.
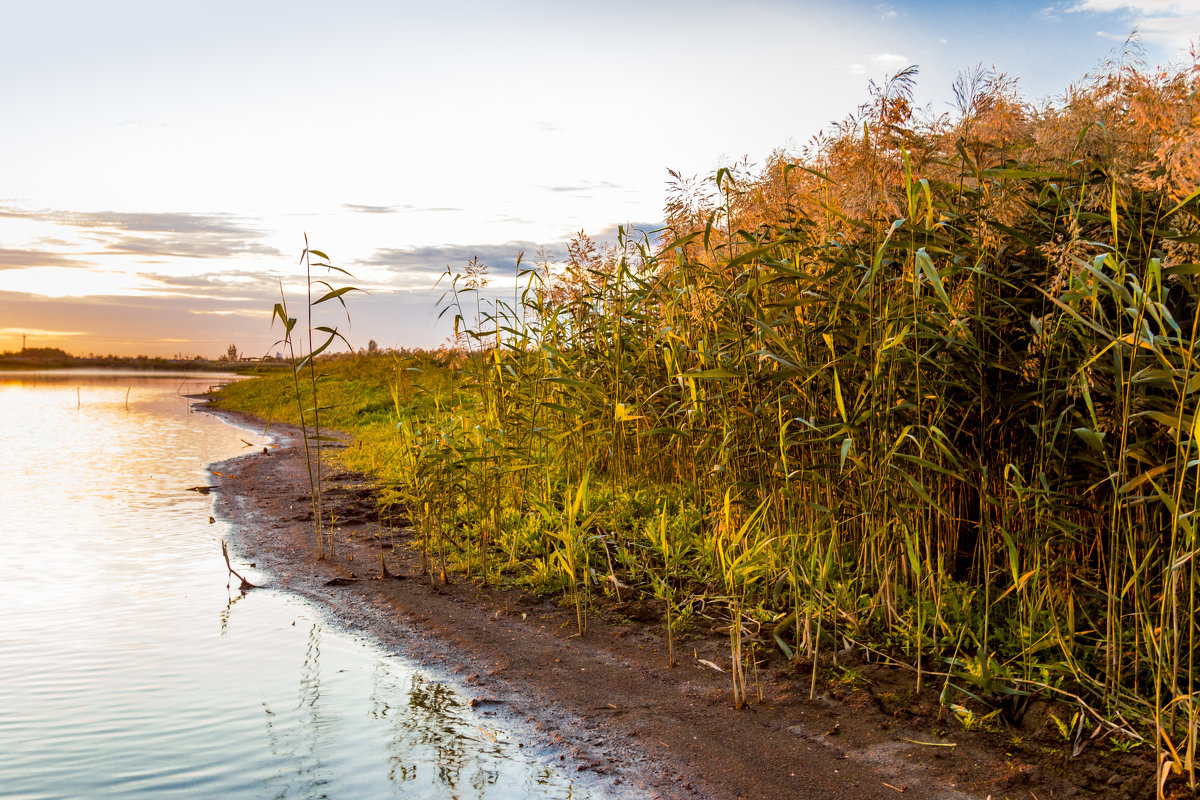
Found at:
(128, 669)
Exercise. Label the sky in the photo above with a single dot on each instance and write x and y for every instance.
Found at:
(162, 162)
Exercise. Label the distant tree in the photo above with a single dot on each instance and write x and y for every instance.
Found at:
(372, 347)
(231, 354)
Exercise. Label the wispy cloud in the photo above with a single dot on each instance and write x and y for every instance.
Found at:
(1144, 7)
(501, 258)
(158, 234)
(583, 186)
(38, 333)
(16, 258)
(223, 284)
(432, 260)
(205, 246)
(877, 62)
(402, 208)
(154, 222)
(364, 209)
(1171, 23)
(635, 232)
(889, 60)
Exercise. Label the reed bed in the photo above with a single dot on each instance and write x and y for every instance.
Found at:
(927, 387)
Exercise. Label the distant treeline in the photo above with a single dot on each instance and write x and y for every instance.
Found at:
(54, 358)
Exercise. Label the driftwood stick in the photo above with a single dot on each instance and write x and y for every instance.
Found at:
(245, 583)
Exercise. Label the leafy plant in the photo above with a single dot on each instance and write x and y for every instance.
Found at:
(302, 360)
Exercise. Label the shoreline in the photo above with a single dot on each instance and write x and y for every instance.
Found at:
(607, 708)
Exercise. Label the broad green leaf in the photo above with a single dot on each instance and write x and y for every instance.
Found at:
(931, 275)
(719, 372)
(1093, 439)
(837, 393)
(335, 294)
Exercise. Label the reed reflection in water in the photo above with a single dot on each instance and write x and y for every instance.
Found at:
(129, 669)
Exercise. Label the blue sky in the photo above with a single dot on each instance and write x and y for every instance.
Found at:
(162, 161)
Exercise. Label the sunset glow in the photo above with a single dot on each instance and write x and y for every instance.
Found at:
(164, 164)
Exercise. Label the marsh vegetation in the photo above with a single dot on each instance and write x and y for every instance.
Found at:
(927, 388)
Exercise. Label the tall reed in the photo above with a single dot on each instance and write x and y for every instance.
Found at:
(300, 361)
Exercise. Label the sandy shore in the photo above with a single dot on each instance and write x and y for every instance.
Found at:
(607, 707)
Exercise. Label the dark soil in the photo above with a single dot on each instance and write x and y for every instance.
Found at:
(608, 707)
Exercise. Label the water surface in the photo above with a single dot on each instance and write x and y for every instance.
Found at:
(128, 668)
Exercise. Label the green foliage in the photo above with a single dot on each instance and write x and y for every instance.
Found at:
(932, 388)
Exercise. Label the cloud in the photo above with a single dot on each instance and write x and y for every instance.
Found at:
(16, 258)
(192, 282)
(583, 186)
(1169, 23)
(204, 284)
(889, 60)
(500, 258)
(144, 222)
(433, 260)
(635, 233)
(514, 219)
(202, 246)
(38, 333)
(158, 234)
(360, 208)
(135, 324)
(1144, 7)
(1176, 32)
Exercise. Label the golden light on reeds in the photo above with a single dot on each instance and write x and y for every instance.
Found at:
(929, 387)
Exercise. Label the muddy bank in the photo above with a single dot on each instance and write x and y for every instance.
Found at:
(608, 707)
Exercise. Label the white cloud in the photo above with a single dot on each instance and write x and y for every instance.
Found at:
(1176, 31)
(879, 62)
(1174, 24)
(889, 60)
(1143, 7)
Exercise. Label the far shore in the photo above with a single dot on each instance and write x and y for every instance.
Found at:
(54, 359)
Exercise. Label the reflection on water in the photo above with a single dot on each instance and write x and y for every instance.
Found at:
(128, 668)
